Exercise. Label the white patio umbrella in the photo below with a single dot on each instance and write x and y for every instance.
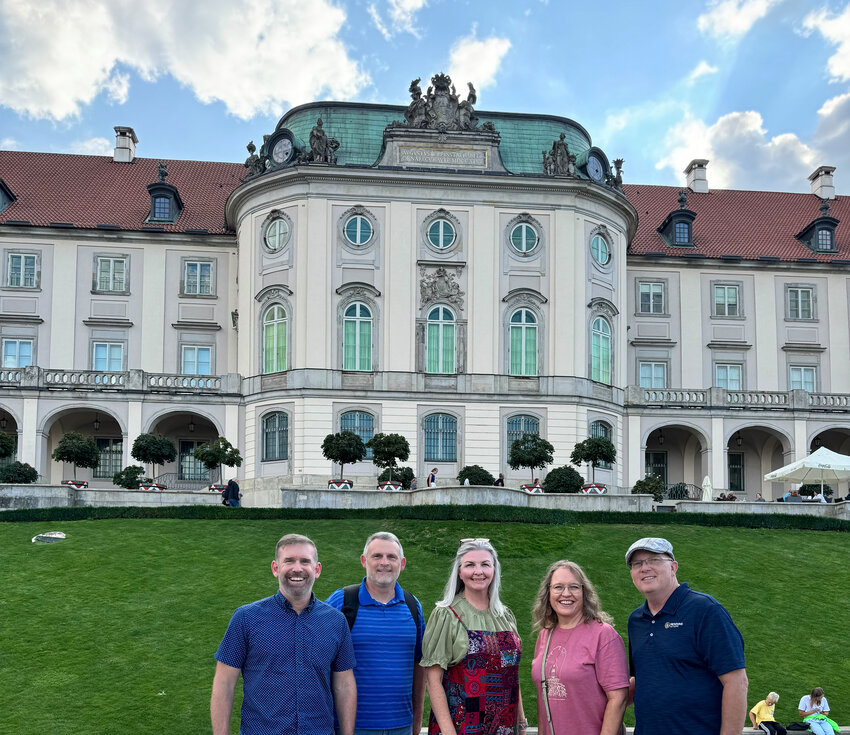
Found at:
(820, 466)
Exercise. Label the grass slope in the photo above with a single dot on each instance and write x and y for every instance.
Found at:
(115, 628)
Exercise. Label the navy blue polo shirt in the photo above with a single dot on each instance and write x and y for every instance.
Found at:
(676, 658)
(387, 649)
(286, 661)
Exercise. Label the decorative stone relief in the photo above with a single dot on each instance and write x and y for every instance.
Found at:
(439, 286)
(603, 306)
(273, 293)
(441, 108)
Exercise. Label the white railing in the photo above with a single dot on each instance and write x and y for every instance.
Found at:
(678, 397)
(184, 382)
(757, 398)
(829, 400)
(88, 378)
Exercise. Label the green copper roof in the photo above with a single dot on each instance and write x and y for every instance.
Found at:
(359, 128)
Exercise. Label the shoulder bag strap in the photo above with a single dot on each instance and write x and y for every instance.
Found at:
(544, 683)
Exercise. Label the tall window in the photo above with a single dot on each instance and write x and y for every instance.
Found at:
(108, 356)
(110, 454)
(274, 339)
(800, 303)
(440, 342)
(357, 338)
(656, 464)
(361, 423)
(22, 271)
(651, 298)
(275, 437)
(523, 343)
(17, 353)
(189, 468)
(196, 360)
(736, 471)
(600, 351)
(728, 376)
(197, 278)
(516, 427)
(803, 378)
(601, 429)
(111, 274)
(726, 301)
(440, 438)
(653, 374)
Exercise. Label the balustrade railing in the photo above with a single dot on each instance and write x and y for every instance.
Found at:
(757, 398)
(829, 400)
(173, 481)
(185, 382)
(90, 378)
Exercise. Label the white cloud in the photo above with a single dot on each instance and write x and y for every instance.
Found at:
(701, 70)
(740, 153)
(836, 29)
(402, 16)
(476, 61)
(255, 56)
(733, 18)
(8, 144)
(93, 147)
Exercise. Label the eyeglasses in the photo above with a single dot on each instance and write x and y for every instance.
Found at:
(558, 589)
(653, 561)
(475, 540)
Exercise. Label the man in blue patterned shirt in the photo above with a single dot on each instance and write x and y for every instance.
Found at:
(294, 653)
(386, 627)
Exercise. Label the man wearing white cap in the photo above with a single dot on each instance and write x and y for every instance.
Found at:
(686, 657)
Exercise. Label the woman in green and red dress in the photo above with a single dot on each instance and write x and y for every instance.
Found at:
(471, 651)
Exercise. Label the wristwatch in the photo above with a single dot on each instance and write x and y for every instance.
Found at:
(522, 724)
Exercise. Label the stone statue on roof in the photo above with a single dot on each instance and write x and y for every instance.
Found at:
(415, 115)
(253, 163)
(162, 171)
(322, 148)
(441, 108)
(559, 161)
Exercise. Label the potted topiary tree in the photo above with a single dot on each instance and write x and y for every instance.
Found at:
(387, 450)
(155, 450)
(531, 451)
(217, 453)
(80, 451)
(594, 450)
(403, 475)
(131, 477)
(476, 475)
(563, 480)
(344, 447)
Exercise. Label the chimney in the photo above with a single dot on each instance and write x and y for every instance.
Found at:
(697, 178)
(822, 185)
(125, 144)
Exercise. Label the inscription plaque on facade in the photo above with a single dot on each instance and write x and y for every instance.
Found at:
(449, 157)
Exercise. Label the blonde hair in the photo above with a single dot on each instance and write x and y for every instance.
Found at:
(772, 698)
(542, 614)
(455, 585)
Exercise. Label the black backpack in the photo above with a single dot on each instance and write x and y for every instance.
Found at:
(351, 601)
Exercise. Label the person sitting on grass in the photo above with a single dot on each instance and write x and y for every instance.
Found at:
(761, 715)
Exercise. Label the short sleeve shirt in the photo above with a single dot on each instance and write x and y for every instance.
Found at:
(806, 704)
(680, 652)
(286, 661)
(763, 712)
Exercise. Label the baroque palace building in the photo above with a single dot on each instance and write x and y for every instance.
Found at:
(456, 276)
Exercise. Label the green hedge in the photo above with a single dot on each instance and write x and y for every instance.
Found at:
(472, 513)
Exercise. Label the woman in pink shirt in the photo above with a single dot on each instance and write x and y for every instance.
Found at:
(579, 664)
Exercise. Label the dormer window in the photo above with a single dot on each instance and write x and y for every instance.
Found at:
(677, 228)
(166, 204)
(819, 235)
(6, 195)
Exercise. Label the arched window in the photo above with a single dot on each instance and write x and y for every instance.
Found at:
(440, 341)
(523, 343)
(440, 438)
(600, 351)
(517, 426)
(275, 437)
(274, 339)
(361, 423)
(601, 429)
(357, 338)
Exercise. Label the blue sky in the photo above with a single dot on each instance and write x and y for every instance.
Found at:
(761, 88)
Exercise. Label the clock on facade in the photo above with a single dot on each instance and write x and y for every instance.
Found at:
(282, 151)
(594, 168)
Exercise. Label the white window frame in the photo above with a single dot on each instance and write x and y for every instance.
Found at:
(725, 302)
(799, 382)
(109, 357)
(273, 324)
(183, 354)
(358, 320)
(440, 325)
(653, 288)
(603, 373)
(527, 330)
(196, 288)
(111, 287)
(23, 257)
(655, 374)
(728, 368)
(799, 291)
(18, 342)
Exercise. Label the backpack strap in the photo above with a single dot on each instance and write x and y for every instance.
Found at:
(410, 600)
(350, 603)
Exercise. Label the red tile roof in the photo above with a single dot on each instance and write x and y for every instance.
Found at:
(751, 224)
(94, 190)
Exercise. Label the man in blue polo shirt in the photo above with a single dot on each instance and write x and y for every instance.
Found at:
(386, 627)
(685, 654)
(294, 653)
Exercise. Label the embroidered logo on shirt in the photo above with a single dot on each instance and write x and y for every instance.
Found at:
(673, 625)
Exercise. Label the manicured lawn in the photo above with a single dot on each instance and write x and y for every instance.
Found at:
(114, 629)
